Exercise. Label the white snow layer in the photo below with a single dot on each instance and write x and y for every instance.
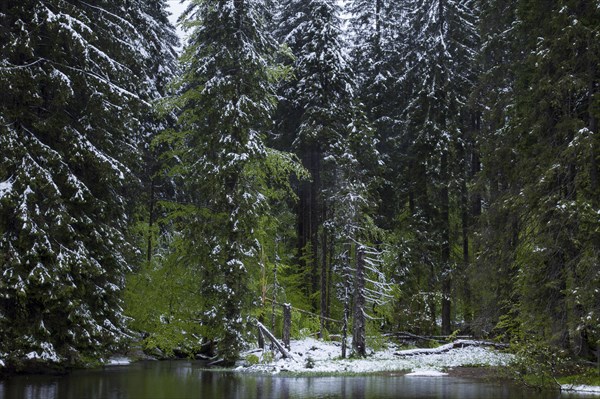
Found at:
(118, 361)
(5, 187)
(324, 357)
(426, 373)
(48, 353)
(583, 389)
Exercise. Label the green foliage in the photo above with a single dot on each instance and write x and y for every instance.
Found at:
(164, 302)
(375, 339)
(536, 363)
(266, 357)
(252, 359)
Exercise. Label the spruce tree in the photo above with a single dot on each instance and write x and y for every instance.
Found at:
(553, 127)
(225, 100)
(76, 89)
(321, 120)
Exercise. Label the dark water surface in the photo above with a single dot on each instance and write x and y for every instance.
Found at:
(187, 379)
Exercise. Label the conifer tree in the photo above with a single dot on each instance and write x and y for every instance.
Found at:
(225, 100)
(553, 128)
(321, 121)
(76, 88)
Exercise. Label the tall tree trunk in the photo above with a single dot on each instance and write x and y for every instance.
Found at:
(346, 277)
(330, 279)
(315, 222)
(593, 126)
(150, 220)
(324, 288)
(445, 250)
(359, 322)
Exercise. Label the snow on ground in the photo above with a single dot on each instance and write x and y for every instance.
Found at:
(582, 389)
(315, 356)
(118, 361)
(426, 373)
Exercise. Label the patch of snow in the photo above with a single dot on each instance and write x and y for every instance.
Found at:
(316, 356)
(48, 353)
(118, 361)
(583, 389)
(5, 187)
(426, 373)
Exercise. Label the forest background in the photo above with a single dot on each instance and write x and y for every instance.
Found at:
(422, 166)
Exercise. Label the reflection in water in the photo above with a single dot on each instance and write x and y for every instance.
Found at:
(186, 379)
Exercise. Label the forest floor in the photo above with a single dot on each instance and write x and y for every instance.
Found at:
(317, 357)
(312, 356)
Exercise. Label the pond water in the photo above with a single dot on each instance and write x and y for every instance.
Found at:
(188, 379)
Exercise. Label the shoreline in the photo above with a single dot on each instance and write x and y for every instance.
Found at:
(313, 357)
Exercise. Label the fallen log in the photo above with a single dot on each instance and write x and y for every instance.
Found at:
(435, 338)
(461, 343)
(284, 352)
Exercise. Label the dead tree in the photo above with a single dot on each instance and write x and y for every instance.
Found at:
(284, 352)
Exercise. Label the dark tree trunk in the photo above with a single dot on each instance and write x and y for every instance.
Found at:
(324, 288)
(593, 126)
(330, 279)
(445, 250)
(260, 335)
(150, 220)
(359, 323)
(345, 325)
(275, 288)
(346, 303)
(287, 325)
(315, 222)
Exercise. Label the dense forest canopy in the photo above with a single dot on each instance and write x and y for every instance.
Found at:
(421, 166)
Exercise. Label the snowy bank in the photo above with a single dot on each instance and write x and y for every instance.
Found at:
(315, 356)
(582, 389)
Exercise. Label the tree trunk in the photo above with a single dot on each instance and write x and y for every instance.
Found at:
(359, 322)
(346, 301)
(284, 352)
(274, 297)
(287, 324)
(315, 222)
(445, 250)
(345, 325)
(330, 279)
(260, 336)
(323, 275)
(593, 126)
(150, 220)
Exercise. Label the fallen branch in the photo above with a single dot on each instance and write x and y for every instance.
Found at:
(275, 341)
(448, 347)
(435, 338)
